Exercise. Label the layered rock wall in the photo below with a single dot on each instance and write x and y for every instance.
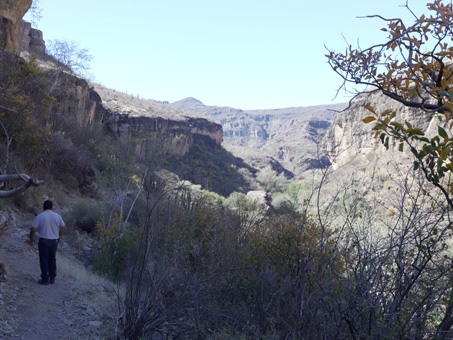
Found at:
(82, 101)
(181, 134)
(131, 116)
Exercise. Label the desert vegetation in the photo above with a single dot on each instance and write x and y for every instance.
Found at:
(359, 252)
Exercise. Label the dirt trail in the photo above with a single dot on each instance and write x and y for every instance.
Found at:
(79, 305)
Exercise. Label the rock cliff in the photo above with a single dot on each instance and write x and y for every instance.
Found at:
(348, 136)
(32, 39)
(11, 14)
(126, 115)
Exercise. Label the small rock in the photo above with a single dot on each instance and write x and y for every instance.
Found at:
(95, 323)
(33, 210)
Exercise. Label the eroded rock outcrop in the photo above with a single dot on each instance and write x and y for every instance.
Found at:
(32, 39)
(11, 14)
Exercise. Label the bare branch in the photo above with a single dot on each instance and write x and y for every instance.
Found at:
(28, 183)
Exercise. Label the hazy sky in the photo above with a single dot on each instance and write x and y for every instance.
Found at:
(248, 54)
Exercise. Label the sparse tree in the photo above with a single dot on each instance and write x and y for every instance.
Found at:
(270, 180)
(400, 284)
(414, 67)
(23, 103)
(70, 59)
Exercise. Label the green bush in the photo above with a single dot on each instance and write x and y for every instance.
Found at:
(84, 216)
(116, 242)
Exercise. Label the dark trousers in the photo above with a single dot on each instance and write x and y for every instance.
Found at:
(47, 258)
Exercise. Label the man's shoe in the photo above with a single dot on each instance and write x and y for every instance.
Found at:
(52, 280)
(42, 282)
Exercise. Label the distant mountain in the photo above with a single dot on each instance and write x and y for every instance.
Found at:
(289, 135)
(194, 105)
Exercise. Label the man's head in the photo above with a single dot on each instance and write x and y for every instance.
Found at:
(47, 205)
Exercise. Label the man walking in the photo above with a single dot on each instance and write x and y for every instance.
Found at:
(50, 227)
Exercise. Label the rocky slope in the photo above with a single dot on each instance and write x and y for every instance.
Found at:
(290, 135)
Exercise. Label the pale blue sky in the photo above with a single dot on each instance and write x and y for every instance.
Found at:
(248, 54)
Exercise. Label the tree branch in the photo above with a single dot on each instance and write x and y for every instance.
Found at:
(28, 183)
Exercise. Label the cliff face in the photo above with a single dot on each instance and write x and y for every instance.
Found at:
(348, 136)
(126, 115)
(32, 39)
(78, 98)
(180, 134)
(11, 14)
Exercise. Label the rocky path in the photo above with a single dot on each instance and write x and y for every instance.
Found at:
(78, 306)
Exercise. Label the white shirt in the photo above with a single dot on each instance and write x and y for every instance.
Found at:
(48, 224)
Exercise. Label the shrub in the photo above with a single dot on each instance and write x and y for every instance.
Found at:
(115, 243)
(84, 216)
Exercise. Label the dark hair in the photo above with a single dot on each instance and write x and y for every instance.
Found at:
(47, 205)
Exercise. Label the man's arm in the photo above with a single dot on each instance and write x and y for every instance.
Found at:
(62, 231)
(32, 235)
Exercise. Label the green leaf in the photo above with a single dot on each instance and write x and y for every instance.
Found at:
(444, 154)
(370, 108)
(416, 165)
(401, 147)
(368, 119)
(442, 133)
